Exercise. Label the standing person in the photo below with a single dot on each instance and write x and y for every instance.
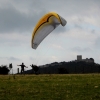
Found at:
(32, 68)
(22, 67)
(35, 68)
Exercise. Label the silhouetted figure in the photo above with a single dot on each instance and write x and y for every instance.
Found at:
(11, 67)
(22, 67)
(34, 68)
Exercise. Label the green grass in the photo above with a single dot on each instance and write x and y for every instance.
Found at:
(50, 87)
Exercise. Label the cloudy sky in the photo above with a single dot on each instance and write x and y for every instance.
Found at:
(81, 35)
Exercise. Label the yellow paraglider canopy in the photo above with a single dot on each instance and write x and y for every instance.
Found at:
(45, 26)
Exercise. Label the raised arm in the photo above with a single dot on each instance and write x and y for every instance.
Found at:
(25, 66)
(18, 65)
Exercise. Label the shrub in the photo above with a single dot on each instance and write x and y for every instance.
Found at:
(4, 70)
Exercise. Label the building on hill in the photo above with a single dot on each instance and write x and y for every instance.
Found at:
(88, 60)
(79, 57)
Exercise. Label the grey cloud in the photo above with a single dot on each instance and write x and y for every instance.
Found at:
(93, 31)
(80, 49)
(97, 42)
(31, 58)
(10, 58)
(78, 26)
(13, 20)
(13, 59)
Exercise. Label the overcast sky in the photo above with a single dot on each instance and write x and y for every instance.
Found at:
(80, 36)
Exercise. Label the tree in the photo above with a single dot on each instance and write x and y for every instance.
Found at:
(62, 70)
(4, 70)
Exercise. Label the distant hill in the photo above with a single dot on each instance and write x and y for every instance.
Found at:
(68, 67)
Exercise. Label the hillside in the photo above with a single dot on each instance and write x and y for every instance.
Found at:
(68, 67)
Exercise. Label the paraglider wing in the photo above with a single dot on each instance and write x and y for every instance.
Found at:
(45, 26)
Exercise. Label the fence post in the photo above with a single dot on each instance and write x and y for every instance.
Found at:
(17, 70)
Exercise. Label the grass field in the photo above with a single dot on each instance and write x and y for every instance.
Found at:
(50, 87)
